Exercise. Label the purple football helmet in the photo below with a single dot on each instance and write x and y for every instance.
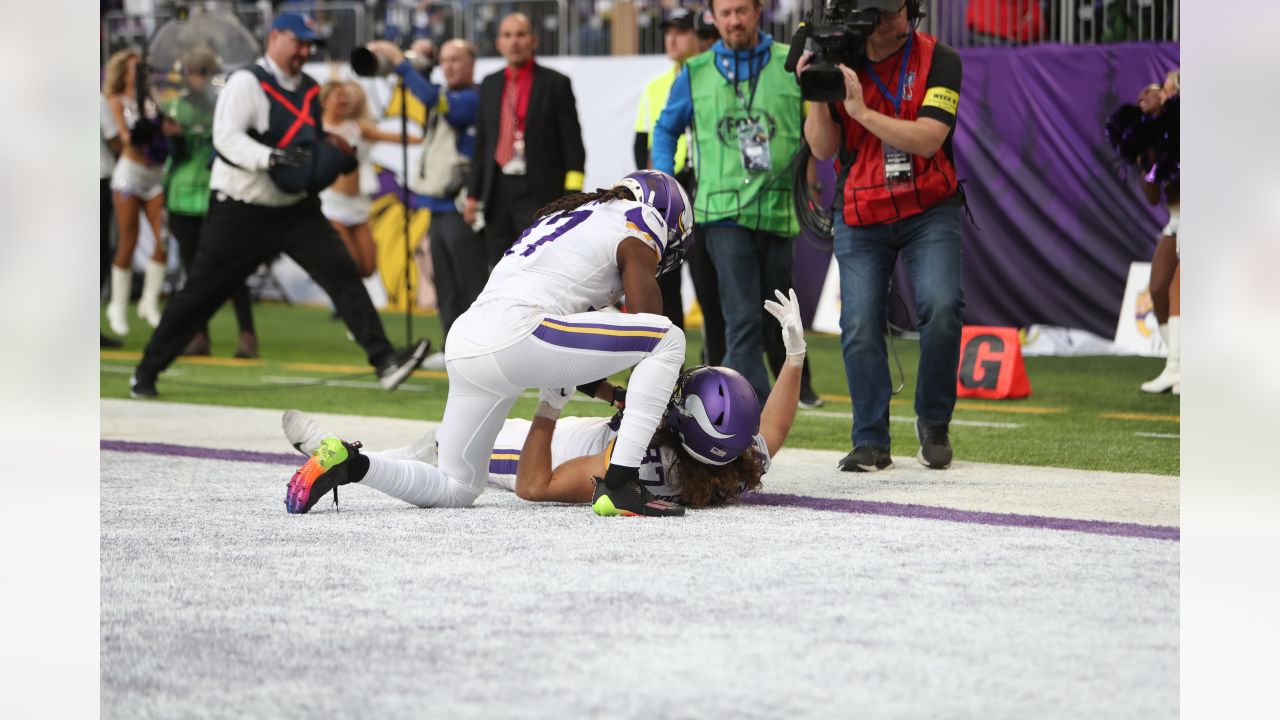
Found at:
(715, 414)
(661, 191)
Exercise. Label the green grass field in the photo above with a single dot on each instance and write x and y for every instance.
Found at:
(1084, 413)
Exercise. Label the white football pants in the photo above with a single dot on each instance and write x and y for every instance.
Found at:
(563, 351)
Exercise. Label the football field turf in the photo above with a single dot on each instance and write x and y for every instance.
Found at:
(1084, 412)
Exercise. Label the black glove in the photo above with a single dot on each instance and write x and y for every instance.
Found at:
(294, 156)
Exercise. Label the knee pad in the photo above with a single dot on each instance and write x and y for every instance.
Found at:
(673, 342)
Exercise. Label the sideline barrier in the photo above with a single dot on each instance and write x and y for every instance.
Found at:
(991, 364)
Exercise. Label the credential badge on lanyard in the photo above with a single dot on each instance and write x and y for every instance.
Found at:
(897, 163)
(753, 139)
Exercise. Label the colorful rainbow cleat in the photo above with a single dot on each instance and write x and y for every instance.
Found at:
(324, 471)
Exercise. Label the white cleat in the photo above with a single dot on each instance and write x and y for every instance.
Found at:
(302, 432)
(434, 361)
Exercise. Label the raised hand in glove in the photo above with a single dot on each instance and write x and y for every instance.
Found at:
(551, 402)
(787, 311)
(293, 156)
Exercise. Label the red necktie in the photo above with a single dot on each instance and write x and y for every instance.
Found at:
(507, 123)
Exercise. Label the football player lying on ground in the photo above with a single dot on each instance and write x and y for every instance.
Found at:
(716, 442)
(535, 326)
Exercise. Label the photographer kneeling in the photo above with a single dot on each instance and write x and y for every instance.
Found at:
(898, 195)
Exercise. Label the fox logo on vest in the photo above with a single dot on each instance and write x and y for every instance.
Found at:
(728, 126)
(991, 364)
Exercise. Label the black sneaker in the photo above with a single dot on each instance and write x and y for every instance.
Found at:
(866, 458)
(935, 446)
(630, 500)
(401, 364)
(325, 471)
(809, 399)
(141, 386)
(108, 343)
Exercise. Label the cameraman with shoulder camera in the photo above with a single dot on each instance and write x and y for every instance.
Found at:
(272, 160)
(898, 195)
(458, 258)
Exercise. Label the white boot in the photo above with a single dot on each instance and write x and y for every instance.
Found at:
(152, 283)
(118, 305)
(1170, 378)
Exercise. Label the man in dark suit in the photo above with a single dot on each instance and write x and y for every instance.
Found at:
(528, 142)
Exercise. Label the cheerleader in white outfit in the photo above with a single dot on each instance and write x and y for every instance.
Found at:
(346, 114)
(136, 186)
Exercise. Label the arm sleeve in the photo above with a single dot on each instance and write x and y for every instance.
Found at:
(421, 88)
(482, 158)
(233, 116)
(942, 89)
(641, 150)
(671, 123)
(463, 106)
(571, 140)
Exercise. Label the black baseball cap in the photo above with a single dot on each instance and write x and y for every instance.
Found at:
(704, 23)
(680, 18)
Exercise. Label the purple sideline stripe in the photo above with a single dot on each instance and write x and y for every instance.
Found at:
(856, 507)
(973, 517)
(203, 453)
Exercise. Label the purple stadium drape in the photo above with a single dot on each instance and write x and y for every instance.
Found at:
(1060, 218)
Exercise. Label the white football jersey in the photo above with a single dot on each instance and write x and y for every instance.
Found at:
(574, 437)
(577, 437)
(565, 263)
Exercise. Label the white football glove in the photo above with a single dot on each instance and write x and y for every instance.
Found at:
(787, 311)
(551, 401)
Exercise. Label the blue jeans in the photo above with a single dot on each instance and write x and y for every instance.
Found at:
(750, 265)
(930, 244)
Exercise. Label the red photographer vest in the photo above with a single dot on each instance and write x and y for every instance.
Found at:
(867, 199)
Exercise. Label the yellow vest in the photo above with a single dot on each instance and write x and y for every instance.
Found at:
(651, 105)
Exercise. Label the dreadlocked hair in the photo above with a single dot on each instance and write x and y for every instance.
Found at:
(577, 200)
(703, 485)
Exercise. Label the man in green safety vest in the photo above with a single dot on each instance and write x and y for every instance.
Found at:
(186, 184)
(747, 116)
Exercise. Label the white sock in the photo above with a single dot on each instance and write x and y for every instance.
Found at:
(648, 394)
(416, 483)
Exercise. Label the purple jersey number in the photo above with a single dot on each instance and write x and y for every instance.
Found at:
(568, 221)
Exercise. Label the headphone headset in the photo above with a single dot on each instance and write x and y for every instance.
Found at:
(914, 11)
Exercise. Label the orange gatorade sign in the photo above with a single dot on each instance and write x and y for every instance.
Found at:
(991, 364)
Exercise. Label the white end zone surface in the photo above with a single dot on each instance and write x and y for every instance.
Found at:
(1043, 491)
